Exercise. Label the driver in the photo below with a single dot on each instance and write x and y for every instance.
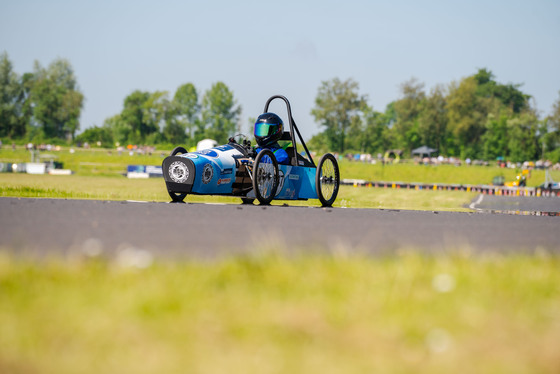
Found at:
(268, 130)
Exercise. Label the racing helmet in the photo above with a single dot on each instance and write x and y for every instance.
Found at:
(268, 129)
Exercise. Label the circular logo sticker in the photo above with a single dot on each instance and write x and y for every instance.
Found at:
(178, 172)
(207, 174)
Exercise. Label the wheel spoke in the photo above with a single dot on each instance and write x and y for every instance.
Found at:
(266, 178)
(328, 179)
(265, 181)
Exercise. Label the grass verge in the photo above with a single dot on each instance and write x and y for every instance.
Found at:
(407, 313)
(445, 174)
(110, 188)
(106, 162)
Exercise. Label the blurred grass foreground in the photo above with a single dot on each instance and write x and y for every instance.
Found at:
(265, 313)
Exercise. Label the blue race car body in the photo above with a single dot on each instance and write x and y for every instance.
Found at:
(235, 169)
(224, 170)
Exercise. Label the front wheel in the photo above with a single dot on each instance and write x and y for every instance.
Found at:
(265, 176)
(327, 180)
(177, 197)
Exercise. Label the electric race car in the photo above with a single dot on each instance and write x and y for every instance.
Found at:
(236, 169)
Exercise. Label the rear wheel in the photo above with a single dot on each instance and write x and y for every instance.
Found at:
(327, 180)
(265, 177)
(177, 197)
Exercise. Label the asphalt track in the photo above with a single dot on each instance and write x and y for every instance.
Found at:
(512, 204)
(47, 226)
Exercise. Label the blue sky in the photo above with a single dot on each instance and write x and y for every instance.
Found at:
(262, 48)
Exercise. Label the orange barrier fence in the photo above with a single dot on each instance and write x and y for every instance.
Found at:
(483, 189)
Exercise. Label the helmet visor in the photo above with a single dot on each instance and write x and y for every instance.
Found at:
(265, 129)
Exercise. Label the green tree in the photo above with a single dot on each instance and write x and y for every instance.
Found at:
(495, 138)
(133, 116)
(407, 110)
(433, 120)
(318, 143)
(143, 113)
(522, 139)
(338, 107)
(184, 115)
(56, 99)
(120, 130)
(25, 105)
(96, 135)
(157, 112)
(509, 95)
(551, 136)
(467, 114)
(12, 121)
(554, 118)
(220, 114)
(374, 138)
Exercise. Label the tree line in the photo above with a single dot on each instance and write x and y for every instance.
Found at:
(476, 117)
(45, 105)
(154, 118)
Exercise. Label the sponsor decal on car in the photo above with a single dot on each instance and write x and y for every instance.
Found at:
(290, 193)
(208, 152)
(207, 174)
(293, 177)
(191, 155)
(224, 181)
(227, 171)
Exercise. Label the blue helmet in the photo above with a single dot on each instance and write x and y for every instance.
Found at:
(268, 129)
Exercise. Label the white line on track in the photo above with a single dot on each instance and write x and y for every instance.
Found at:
(477, 202)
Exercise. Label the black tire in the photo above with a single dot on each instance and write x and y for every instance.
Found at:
(177, 197)
(265, 177)
(327, 180)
